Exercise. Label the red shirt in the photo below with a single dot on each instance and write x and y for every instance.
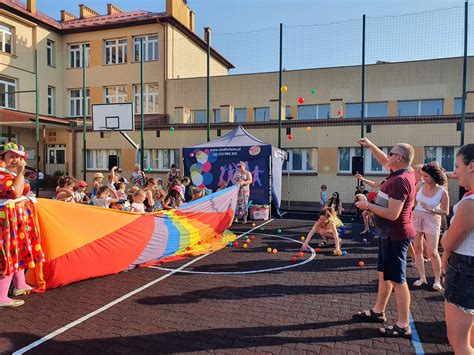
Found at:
(399, 185)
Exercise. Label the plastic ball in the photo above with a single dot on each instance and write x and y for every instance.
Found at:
(308, 129)
(171, 129)
(274, 251)
(149, 170)
(279, 231)
(269, 250)
(293, 259)
(247, 237)
(290, 137)
(229, 244)
(314, 91)
(262, 229)
(188, 248)
(244, 246)
(252, 237)
(317, 250)
(361, 263)
(284, 89)
(302, 238)
(364, 240)
(253, 224)
(344, 252)
(236, 244)
(300, 254)
(301, 100)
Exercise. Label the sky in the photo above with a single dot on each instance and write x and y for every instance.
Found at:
(316, 33)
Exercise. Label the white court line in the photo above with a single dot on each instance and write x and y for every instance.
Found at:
(117, 301)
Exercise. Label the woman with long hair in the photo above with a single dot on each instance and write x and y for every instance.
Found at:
(336, 203)
(326, 225)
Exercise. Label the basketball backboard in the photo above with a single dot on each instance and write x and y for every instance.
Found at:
(113, 117)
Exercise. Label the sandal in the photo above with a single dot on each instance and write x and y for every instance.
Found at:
(371, 317)
(394, 331)
(323, 244)
(419, 283)
(437, 286)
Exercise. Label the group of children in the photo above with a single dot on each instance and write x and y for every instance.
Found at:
(141, 195)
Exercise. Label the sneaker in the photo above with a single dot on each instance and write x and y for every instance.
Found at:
(22, 291)
(419, 283)
(12, 303)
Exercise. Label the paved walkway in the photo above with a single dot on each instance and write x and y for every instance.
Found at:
(225, 306)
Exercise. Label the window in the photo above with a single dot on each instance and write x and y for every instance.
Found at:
(198, 116)
(7, 92)
(116, 51)
(216, 114)
(372, 109)
(150, 98)
(115, 94)
(50, 53)
(458, 106)
(446, 156)
(6, 39)
(98, 159)
(75, 102)
(301, 160)
(75, 55)
(240, 115)
(261, 114)
(160, 159)
(371, 165)
(420, 108)
(51, 100)
(5, 138)
(313, 112)
(150, 48)
(287, 111)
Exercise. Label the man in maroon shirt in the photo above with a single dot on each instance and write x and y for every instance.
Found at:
(393, 219)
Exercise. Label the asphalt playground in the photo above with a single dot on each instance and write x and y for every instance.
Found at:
(236, 300)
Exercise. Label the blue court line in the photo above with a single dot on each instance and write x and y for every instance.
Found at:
(415, 338)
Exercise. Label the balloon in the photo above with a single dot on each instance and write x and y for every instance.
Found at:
(308, 129)
(301, 100)
(149, 170)
(314, 91)
(172, 129)
(283, 89)
(290, 137)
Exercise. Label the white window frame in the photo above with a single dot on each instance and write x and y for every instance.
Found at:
(51, 100)
(155, 159)
(9, 83)
(318, 106)
(194, 115)
(50, 53)
(117, 96)
(78, 99)
(152, 40)
(368, 156)
(148, 96)
(119, 45)
(100, 158)
(6, 31)
(419, 106)
(439, 155)
(304, 160)
(75, 53)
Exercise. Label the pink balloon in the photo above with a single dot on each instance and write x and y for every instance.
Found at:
(206, 167)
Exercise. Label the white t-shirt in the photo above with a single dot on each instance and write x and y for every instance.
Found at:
(138, 207)
(102, 202)
(467, 245)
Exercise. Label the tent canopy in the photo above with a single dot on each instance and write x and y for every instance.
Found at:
(238, 137)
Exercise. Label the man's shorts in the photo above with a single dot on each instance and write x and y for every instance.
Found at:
(392, 259)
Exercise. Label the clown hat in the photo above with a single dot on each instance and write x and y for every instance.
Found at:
(16, 148)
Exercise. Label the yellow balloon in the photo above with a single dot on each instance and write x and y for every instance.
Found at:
(308, 129)
(284, 89)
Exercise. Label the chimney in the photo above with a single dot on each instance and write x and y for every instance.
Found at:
(67, 16)
(191, 20)
(85, 12)
(112, 9)
(31, 6)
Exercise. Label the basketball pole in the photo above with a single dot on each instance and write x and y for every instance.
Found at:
(208, 80)
(142, 117)
(84, 114)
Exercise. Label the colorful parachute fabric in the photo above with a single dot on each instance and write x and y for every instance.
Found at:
(82, 242)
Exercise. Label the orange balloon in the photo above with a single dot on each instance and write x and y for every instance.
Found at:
(361, 263)
(308, 129)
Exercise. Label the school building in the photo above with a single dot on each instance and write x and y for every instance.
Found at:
(416, 102)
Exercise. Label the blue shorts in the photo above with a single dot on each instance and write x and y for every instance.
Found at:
(392, 259)
(459, 288)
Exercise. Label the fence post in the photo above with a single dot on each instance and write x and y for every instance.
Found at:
(464, 73)
(37, 122)
(84, 114)
(142, 112)
(208, 111)
(362, 98)
(280, 85)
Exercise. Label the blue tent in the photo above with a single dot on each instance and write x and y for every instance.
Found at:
(209, 163)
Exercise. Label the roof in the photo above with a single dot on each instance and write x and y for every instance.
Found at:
(238, 137)
(11, 117)
(131, 18)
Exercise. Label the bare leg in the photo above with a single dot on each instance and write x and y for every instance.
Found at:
(420, 265)
(459, 325)
(432, 242)
(425, 248)
(402, 296)
(383, 294)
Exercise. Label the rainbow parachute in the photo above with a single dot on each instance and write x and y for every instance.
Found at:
(82, 242)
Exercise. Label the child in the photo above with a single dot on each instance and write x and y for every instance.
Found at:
(103, 199)
(122, 195)
(326, 225)
(173, 199)
(138, 198)
(96, 183)
(197, 193)
(323, 196)
(80, 195)
(159, 199)
(221, 185)
(184, 184)
(65, 189)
